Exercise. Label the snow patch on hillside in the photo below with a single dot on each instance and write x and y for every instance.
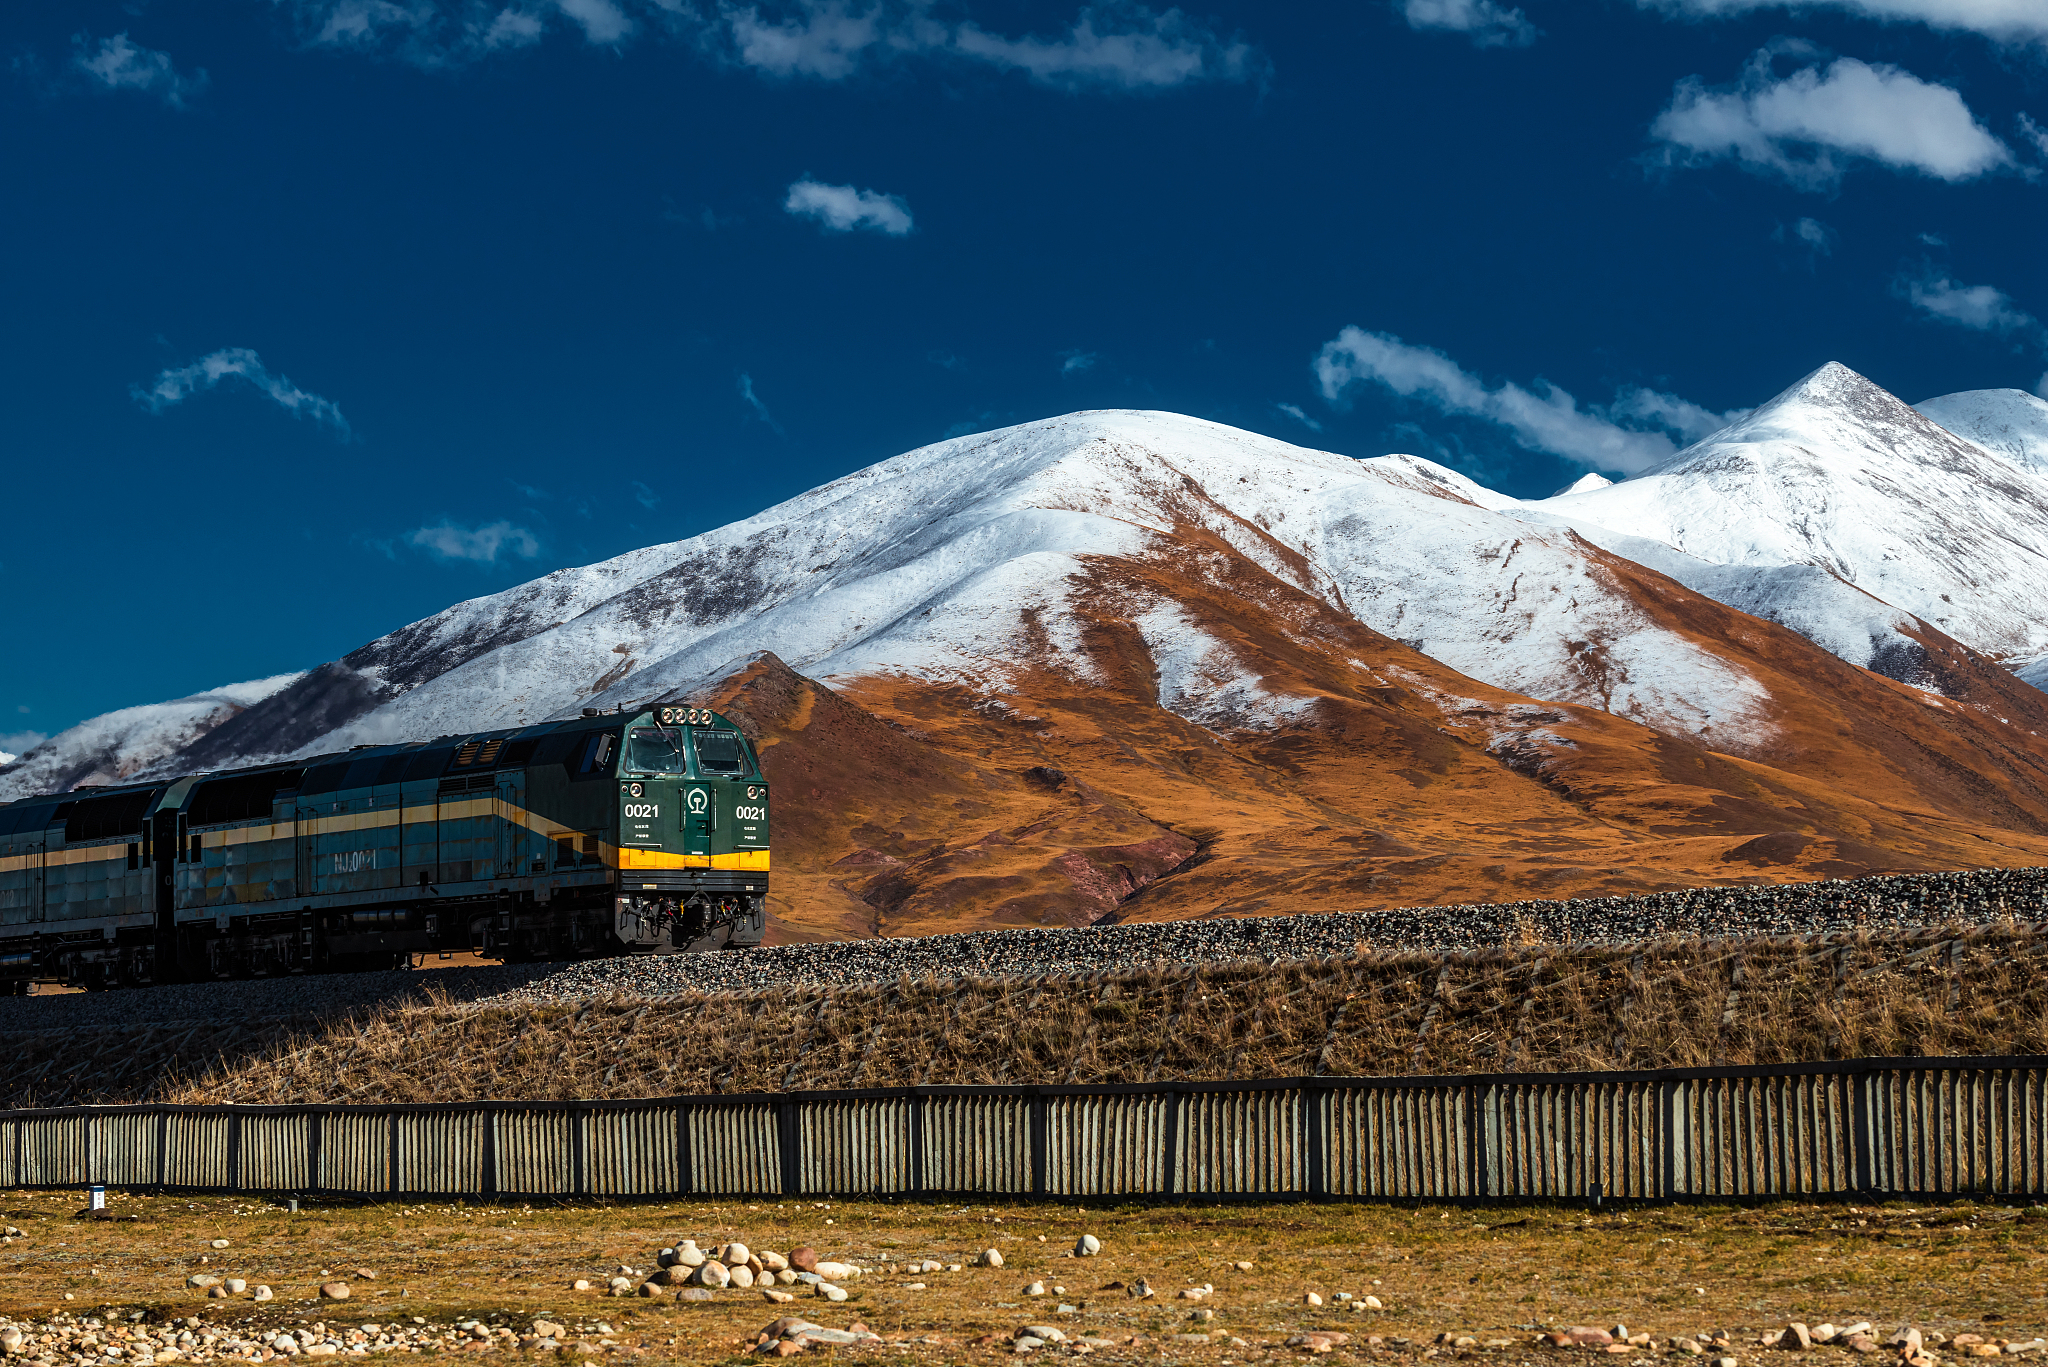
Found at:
(2008, 422)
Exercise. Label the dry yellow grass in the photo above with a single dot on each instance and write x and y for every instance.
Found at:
(1663, 1004)
(1667, 1271)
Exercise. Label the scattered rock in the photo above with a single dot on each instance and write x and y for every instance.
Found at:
(837, 1272)
(1139, 1290)
(580, 1285)
(695, 1295)
(831, 1292)
(779, 1297)
(1372, 1303)
(740, 1276)
(772, 1261)
(548, 1329)
(1088, 1246)
(334, 1291)
(1243, 1267)
(1035, 1289)
(234, 1286)
(1580, 1336)
(712, 1274)
(735, 1255)
(988, 1257)
(364, 1274)
(1044, 1332)
(1311, 1298)
(1860, 1343)
(805, 1259)
(218, 1293)
(202, 1279)
(261, 1293)
(218, 1243)
(1795, 1337)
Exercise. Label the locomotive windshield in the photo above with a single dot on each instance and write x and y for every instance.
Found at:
(719, 752)
(653, 751)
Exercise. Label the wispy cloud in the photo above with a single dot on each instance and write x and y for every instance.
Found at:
(117, 63)
(1117, 47)
(485, 545)
(645, 496)
(842, 208)
(754, 402)
(1815, 235)
(174, 386)
(1120, 48)
(2005, 21)
(14, 743)
(1632, 434)
(1074, 362)
(1810, 126)
(1981, 308)
(1487, 24)
(2034, 133)
(1294, 411)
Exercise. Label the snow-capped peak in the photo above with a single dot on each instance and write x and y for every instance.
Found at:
(1585, 484)
(1837, 474)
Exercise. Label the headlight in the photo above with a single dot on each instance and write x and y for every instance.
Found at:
(634, 789)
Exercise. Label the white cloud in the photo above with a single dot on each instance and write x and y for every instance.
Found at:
(237, 363)
(1818, 236)
(2034, 133)
(1294, 411)
(15, 743)
(754, 402)
(1489, 24)
(841, 208)
(1128, 49)
(645, 496)
(1073, 362)
(2001, 20)
(1550, 421)
(824, 41)
(119, 64)
(445, 540)
(1809, 127)
(603, 23)
(1981, 308)
(1118, 46)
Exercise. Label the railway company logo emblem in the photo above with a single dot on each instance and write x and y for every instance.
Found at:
(699, 800)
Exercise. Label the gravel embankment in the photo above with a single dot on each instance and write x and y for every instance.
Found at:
(1750, 910)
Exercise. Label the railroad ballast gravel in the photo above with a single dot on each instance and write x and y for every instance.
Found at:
(1886, 903)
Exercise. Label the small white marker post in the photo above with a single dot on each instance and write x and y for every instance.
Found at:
(99, 1197)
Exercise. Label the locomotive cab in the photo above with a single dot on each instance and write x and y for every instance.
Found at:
(693, 834)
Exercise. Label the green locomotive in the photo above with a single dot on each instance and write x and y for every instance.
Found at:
(604, 835)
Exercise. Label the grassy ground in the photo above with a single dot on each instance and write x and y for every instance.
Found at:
(1667, 1003)
(1497, 1274)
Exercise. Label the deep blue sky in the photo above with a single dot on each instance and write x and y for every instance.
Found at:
(536, 283)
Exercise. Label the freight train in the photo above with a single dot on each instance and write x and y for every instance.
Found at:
(609, 834)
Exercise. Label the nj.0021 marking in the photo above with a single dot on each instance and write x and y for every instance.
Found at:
(641, 811)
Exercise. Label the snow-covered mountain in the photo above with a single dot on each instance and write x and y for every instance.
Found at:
(1834, 510)
(972, 560)
(1837, 483)
(116, 745)
(2011, 422)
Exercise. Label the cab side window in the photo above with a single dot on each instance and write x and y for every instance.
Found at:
(596, 755)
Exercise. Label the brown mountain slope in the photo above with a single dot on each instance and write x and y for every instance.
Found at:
(906, 807)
